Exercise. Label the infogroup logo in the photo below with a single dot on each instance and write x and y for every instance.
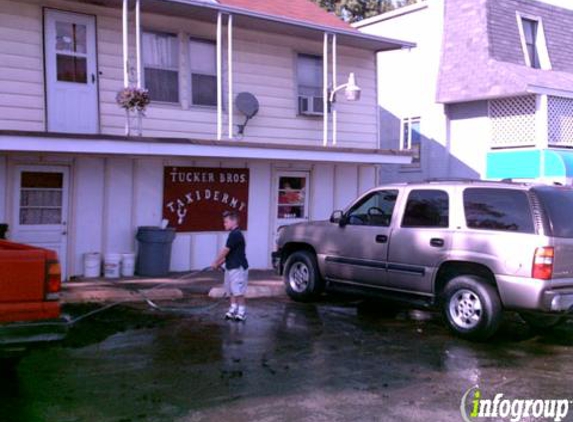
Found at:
(475, 407)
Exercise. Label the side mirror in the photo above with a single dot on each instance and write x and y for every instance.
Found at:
(339, 218)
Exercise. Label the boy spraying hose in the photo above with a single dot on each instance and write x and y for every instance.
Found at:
(236, 267)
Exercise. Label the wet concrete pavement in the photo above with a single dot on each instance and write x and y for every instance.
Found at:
(330, 361)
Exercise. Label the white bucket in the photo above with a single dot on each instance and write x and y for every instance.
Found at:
(111, 265)
(92, 265)
(127, 264)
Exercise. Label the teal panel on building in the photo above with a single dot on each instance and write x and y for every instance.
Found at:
(529, 164)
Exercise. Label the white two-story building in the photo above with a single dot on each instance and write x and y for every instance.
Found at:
(79, 174)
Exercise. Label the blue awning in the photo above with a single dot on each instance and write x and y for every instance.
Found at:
(529, 164)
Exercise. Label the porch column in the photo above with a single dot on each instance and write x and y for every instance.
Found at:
(542, 129)
(219, 77)
(230, 73)
(138, 42)
(325, 89)
(334, 85)
(125, 21)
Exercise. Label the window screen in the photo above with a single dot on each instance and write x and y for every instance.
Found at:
(161, 66)
(530, 35)
(309, 75)
(498, 209)
(427, 208)
(203, 67)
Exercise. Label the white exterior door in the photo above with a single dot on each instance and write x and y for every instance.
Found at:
(291, 197)
(71, 72)
(40, 213)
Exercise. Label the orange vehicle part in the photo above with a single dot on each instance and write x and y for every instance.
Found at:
(30, 280)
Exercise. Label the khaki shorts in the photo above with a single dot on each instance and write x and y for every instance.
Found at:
(236, 281)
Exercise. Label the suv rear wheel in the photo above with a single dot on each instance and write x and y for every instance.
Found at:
(302, 277)
(472, 307)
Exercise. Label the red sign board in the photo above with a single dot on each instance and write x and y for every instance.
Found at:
(195, 198)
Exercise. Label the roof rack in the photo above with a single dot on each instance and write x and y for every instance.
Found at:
(463, 180)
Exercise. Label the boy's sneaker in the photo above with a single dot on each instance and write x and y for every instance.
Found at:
(240, 316)
(231, 314)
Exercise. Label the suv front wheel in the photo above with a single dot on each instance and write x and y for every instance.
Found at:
(472, 307)
(302, 277)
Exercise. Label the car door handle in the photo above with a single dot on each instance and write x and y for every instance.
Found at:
(437, 243)
(381, 238)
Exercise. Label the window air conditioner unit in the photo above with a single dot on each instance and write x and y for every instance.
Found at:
(310, 106)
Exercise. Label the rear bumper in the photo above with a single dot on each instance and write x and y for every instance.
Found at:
(536, 295)
(558, 300)
(19, 336)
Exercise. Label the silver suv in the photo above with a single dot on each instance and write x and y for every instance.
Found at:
(471, 248)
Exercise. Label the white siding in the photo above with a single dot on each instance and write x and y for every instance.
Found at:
(86, 225)
(112, 196)
(264, 64)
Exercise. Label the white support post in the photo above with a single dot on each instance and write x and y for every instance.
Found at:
(138, 42)
(125, 57)
(230, 73)
(325, 89)
(125, 39)
(219, 77)
(542, 129)
(334, 85)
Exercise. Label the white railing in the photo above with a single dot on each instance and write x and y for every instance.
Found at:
(560, 121)
(513, 122)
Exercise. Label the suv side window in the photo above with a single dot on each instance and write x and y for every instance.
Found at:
(374, 210)
(498, 209)
(427, 208)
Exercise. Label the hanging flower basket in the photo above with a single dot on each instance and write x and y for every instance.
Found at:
(133, 99)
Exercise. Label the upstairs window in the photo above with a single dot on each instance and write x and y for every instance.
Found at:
(411, 138)
(533, 42)
(203, 68)
(309, 80)
(161, 66)
(530, 39)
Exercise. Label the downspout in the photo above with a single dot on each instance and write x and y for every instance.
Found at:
(325, 90)
(219, 78)
(125, 20)
(334, 85)
(138, 42)
(230, 73)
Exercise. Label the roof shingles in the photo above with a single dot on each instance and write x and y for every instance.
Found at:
(482, 55)
(300, 10)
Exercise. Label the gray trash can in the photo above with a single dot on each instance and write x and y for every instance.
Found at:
(154, 254)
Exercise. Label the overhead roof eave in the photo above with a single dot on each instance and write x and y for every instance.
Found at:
(46, 142)
(348, 37)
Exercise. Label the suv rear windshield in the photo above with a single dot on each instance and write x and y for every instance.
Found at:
(558, 205)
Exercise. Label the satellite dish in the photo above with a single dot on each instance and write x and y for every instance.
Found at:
(247, 104)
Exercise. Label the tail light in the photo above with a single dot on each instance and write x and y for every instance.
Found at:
(543, 263)
(53, 280)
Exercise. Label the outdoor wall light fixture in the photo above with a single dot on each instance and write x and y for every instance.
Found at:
(351, 90)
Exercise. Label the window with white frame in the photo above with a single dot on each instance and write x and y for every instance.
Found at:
(533, 42)
(203, 69)
(530, 38)
(161, 66)
(309, 82)
(411, 137)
